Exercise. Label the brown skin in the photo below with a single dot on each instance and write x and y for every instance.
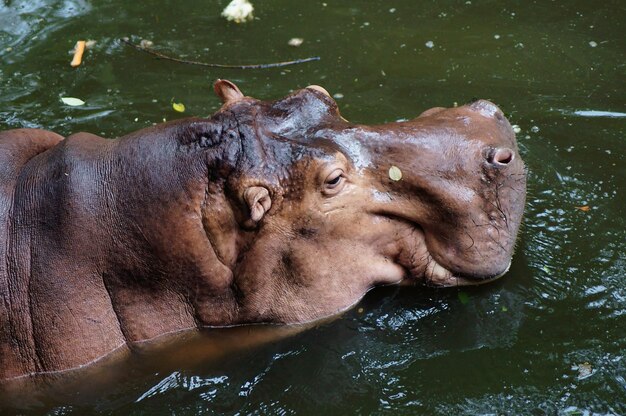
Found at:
(278, 212)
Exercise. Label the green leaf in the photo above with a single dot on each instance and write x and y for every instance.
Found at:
(505, 309)
(74, 102)
(180, 107)
(463, 297)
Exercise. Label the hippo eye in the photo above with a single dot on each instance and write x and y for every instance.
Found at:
(333, 182)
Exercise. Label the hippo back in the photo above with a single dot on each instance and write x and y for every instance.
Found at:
(17, 148)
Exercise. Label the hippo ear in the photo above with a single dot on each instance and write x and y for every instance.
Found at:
(259, 202)
(227, 91)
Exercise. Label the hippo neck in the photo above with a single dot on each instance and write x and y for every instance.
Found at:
(173, 221)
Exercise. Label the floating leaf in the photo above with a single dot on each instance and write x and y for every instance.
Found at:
(584, 208)
(505, 309)
(395, 174)
(180, 107)
(463, 297)
(74, 102)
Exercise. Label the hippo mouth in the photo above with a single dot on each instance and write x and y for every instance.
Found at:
(421, 265)
(438, 276)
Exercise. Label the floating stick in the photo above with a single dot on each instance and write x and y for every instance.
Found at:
(78, 53)
(184, 61)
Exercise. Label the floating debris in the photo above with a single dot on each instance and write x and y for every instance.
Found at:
(180, 107)
(584, 370)
(593, 44)
(146, 43)
(295, 42)
(72, 101)
(152, 52)
(430, 44)
(79, 49)
(238, 11)
(584, 208)
(516, 129)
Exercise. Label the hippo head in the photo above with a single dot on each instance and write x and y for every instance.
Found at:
(312, 210)
(277, 212)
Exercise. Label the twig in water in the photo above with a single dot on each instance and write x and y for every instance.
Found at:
(78, 53)
(185, 61)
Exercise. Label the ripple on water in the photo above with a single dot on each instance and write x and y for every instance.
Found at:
(34, 19)
(567, 395)
(177, 380)
(564, 245)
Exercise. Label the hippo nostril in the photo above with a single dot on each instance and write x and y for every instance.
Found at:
(501, 156)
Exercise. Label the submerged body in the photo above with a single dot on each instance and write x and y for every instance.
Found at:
(278, 212)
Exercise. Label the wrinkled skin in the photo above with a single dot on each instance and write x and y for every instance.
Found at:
(278, 212)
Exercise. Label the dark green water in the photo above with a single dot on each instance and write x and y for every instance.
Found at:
(557, 69)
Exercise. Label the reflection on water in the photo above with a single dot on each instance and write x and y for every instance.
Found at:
(176, 380)
(597, 113)
(512, 347)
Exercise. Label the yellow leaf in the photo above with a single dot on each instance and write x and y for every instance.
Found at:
(584, 208)
(395, 174)
(180, 107)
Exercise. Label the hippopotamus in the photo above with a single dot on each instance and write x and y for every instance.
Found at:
(274, 212)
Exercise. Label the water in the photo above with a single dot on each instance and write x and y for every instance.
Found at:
(549, 338)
